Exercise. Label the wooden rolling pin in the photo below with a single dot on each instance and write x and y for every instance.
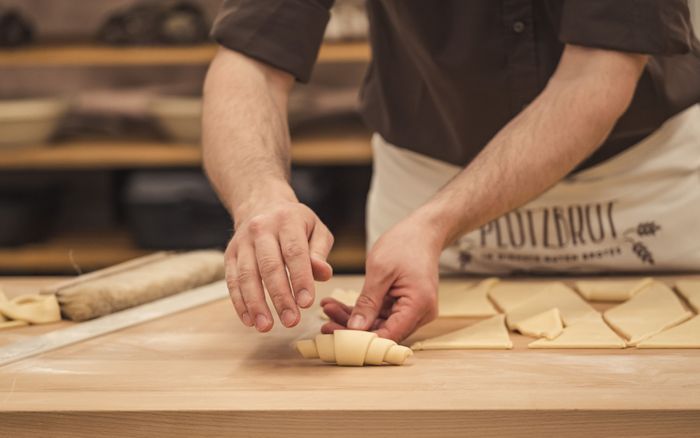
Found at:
(136, 282)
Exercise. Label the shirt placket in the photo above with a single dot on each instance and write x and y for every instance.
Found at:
(521, 54)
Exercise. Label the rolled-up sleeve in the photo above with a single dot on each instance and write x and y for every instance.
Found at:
(656, 27)
(285, 34)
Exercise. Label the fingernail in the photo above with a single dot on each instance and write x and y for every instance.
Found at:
(246, 319)
(304, 298)
(261, 322)
(288, 318)
(357, 322)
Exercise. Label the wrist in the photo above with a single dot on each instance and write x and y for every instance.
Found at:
(260, 197)
(432, 223)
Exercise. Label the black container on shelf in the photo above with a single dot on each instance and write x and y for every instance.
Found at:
(175, 209)
(27, 215)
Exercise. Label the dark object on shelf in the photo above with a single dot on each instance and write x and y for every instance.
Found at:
(175, 210)
(156, 23)
(15, 30)
(27, 215)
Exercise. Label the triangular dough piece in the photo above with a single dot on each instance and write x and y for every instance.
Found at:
(547, 324)
(345, 296)
(587, 333)
(510, 294)
(690, 289)
(686, 335)
(652, 310)
(611, 290)
(557, 295)
(467, 302)
(488, 334)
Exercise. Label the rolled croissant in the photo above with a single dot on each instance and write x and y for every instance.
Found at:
(353, 348)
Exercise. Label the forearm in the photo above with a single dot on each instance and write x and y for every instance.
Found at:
(245, 136)
(562, 126)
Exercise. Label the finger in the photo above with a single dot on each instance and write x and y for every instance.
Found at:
(402, 322)
(337, 313)
(274, 276)
(235, 293)
(371, 299)
(250, 285)
(295, 251)
(330, 327)
(328, 300)
(320, 244)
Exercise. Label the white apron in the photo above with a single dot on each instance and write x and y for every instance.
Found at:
(638, 211)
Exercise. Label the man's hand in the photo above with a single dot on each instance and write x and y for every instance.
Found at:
(400, 290)
(282, 246)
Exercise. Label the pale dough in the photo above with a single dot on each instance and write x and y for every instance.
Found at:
(345, 296)
(307, 349)
(690, 289)
(557, 295)
(34, 309)
(377, 351)
(547, 324)
(510, 294)
(12, 324)
(325, 347)
(586, 333)
(611, 290)
(465, 301)
(488, 334)
(685, 335)
(351, 346)
(649, 312)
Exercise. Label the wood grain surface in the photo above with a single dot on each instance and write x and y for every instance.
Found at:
(200, 372)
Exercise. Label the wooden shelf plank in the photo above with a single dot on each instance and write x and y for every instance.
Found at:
(93, 250)
(312, 150)
(96, 55)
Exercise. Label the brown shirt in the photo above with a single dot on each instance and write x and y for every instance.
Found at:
(447, 75)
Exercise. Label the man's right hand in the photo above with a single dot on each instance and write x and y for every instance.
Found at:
(282, 246)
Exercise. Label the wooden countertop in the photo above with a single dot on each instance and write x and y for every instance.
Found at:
(200, 372)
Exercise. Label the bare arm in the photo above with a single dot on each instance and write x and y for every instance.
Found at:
(565, 124)
(278, 241)
(569, 120)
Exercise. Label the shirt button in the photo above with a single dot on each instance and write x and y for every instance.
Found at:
(518, 27)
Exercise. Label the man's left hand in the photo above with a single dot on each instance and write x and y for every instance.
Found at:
(400, 290)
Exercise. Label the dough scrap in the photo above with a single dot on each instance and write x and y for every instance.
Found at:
(33, 309)
(690, 289)
(12, 324)
(651, 311)
(611, 290)
(557, 295)
(586, 333)
(465, 301)
(547, 325)
(685, 335)
(353, 348)
(510, 294)
(487, 334)
(345, 296)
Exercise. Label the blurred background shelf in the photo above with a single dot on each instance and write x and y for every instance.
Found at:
(96, 55)
(347, 150)
(86, 251)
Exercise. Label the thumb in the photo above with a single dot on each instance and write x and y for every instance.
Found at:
(370, 301)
